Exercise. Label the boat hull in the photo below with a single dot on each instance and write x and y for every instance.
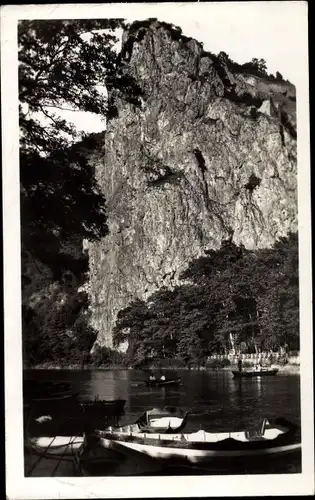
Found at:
(194, 455)
(52, 399)
(250, 374)
(103, 407)
(267, 439)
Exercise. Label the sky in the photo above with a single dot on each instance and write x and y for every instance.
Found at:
(273, 31)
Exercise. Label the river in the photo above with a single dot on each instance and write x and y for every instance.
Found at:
(215, 400)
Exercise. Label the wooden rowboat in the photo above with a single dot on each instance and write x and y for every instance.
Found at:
(270, 439)
(162, 420)
(94, 459)
(56, 445)
(255, 373)
(45, 391)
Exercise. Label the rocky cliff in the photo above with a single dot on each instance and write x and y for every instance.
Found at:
(210, 154)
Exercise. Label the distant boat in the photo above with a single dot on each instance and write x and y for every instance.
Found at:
(271, 438)
(255, 373)
(161, 383)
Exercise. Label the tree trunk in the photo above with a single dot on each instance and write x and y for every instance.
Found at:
(255, 344)
(232, 342)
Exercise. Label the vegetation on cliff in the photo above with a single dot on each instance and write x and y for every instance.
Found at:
(230, 298)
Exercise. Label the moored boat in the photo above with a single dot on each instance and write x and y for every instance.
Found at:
(103, 406)
(94, 459)
(46, 391)
(255, 373)
(271, 438)
(167, 419)
(55, 445)
(162, 383)
(162, 420)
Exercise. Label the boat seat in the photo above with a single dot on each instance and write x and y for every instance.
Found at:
(166, 422)
(273, 433)
(259, 432)
(253, 435)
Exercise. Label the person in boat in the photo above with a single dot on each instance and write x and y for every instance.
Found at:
(239, 364)
(152, 377)
(163, 377)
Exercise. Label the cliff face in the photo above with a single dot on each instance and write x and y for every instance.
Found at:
(210, 155)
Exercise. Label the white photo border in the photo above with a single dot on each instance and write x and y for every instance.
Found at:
(20, 487)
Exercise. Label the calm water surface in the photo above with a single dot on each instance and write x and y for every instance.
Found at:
(216, 401)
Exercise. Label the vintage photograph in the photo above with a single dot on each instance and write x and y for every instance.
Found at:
(160, 243)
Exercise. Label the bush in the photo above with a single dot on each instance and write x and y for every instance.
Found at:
(104, 356)
(226, 362)
(248, 364)
(170, 363)
(293, 353)
(217, 364)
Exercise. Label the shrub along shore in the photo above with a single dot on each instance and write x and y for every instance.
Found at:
(283, 368)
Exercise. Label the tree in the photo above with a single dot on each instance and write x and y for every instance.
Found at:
(256, 65)
(235, 296)
(63, 65)
(223, 57)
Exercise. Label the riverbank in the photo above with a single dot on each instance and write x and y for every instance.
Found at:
(286, 369)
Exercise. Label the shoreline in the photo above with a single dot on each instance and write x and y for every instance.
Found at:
(286, 369)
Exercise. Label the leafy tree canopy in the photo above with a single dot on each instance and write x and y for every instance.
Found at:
(248, 296)
(65, 65)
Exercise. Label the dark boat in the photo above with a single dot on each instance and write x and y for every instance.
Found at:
(255, 373)
(161, 383)
(271, 438)
(43, 391)
(103, 406)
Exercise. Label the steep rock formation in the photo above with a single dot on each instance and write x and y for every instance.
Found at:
(198, 162)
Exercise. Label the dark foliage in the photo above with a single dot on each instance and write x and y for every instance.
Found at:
(105, 357)
(62, 63)
(57, 329)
